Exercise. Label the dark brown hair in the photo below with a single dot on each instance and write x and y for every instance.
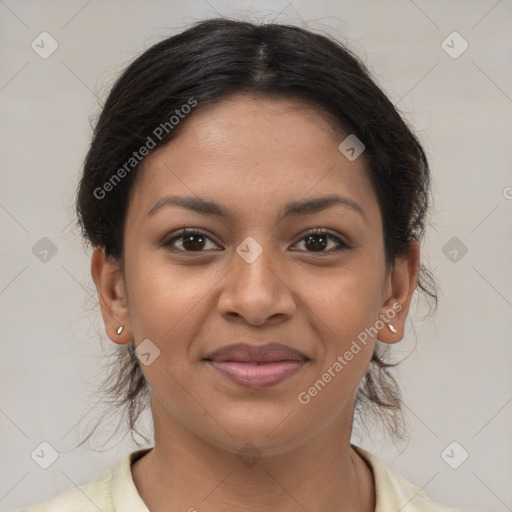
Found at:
(212, 60)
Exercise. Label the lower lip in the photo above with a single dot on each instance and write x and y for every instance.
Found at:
(253, 375)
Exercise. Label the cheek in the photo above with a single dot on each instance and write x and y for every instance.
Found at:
(345, 308)
(166, 299)
(346, 299)
(346, 304)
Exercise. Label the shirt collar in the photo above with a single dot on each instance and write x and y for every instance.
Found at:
(124, 493)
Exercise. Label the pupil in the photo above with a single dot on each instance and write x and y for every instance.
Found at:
(316, 245)
(194, 244)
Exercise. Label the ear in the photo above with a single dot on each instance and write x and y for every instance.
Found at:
(109, 281)
(399, 290)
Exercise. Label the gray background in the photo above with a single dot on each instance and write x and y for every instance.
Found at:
(456, 378)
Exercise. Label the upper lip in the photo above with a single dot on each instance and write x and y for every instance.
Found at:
(244, 352)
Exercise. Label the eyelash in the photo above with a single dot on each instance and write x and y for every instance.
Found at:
(184, 233)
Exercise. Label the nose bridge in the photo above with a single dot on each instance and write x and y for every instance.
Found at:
(255, 289)
(253, 262)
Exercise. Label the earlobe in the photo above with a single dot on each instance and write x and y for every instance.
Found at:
(401, 285)
(109, 281)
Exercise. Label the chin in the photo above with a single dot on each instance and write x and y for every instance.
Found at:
(270, 427)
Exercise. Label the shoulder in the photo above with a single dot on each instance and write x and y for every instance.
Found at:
(111, 491)
(94, 495)
(394, 492)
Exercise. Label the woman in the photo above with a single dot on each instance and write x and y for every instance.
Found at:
(255, 204)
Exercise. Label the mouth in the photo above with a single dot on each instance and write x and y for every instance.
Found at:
(257, 366)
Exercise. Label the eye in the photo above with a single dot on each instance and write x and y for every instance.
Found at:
(195, 240)
(191, 240)
(318, 239)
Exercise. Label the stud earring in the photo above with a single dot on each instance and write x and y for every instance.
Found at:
(392, 328)
(120, 330)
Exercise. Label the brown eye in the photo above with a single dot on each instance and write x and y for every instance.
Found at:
(190, 240)
(318, 241)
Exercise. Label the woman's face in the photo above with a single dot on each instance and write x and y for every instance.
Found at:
(253, 275)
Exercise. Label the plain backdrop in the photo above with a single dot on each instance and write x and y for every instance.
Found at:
(455, 378)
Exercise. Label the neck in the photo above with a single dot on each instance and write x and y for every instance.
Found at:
(189, 473)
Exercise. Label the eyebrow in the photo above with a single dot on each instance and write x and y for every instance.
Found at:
(293, 208)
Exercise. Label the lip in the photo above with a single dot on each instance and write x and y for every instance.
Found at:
(246, 353)
(257, 366)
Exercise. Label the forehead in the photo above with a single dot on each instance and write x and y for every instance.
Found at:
(253, 152)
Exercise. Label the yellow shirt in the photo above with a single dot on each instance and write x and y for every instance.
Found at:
(115, 491)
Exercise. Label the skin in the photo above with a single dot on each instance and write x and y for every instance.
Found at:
(253, 155)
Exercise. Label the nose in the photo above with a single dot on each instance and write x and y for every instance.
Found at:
(257, 289)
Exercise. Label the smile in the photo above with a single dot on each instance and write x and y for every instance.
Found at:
(256, 375)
